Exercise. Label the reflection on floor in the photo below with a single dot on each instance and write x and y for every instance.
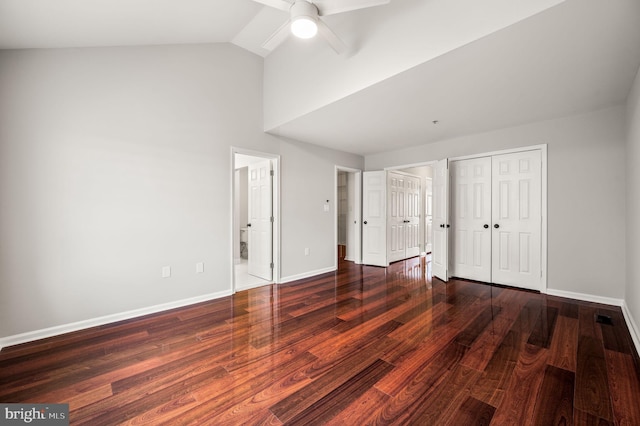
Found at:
(362, 345)
(244, 280)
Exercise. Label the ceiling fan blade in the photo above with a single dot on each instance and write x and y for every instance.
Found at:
(278, 37)
(331, 37)
(331, 7)
(278, 4)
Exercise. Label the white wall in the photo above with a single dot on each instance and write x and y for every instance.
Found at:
(632, 295)
(379, 49)
(586, 193)
(307, 224)
(115, 162)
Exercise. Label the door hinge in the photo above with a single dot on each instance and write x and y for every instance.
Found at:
(271, 265)
(272, 219)
(271, 172)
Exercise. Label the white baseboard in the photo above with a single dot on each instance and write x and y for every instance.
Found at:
(94, 322)
(632, 326)
(586, 297)
(290, 278)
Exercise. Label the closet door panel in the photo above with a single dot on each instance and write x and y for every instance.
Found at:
(471, 218)
(395, 217)
(516, 239)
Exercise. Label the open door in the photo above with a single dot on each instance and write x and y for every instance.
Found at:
(440, 255)
(374, 225)
(261, 220)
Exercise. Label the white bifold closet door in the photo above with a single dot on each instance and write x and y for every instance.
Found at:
(471, 219)
(496, 219)
(403, 216)
(517, 219)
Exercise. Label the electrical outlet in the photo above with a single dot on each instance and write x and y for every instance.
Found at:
(199, 268)
(166, 271)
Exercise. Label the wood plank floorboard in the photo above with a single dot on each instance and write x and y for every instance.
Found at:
(358, 346)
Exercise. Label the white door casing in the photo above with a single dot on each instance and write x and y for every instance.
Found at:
(471, 219)
(374, 218)
(517, 219)
(440, 254)
(261, 220)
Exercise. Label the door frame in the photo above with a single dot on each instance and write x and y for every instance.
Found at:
(357, 214)
(275, 162)
(423, 195)
(543, 206)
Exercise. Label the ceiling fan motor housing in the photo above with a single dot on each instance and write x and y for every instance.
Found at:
(304, 18)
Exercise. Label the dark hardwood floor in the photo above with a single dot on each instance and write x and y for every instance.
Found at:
(364, 345)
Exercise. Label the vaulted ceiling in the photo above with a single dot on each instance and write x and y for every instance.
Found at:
(470, 67)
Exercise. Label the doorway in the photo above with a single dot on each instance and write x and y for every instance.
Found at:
(254, 220)
(426, 196)
(348, 240)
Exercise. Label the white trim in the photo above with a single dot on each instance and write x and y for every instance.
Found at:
(585, 297)
(309, 274)
(542, 147)
(632, 326)
(410, 166)
(107, 319)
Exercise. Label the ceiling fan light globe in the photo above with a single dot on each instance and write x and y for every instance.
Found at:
(304, 27)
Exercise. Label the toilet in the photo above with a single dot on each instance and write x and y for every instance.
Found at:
(244, 243)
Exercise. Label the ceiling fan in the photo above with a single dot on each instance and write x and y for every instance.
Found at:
(305, 19)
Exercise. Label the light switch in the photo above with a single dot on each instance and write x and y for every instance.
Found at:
(199, 268)
(166, 271)
(326, 207)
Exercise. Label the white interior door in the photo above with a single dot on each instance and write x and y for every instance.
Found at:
(412, 216)
(471, 219)
(440, 255)
(396, 212)
(517, 220)
(261, 220)
(374, 221)
(428, 217)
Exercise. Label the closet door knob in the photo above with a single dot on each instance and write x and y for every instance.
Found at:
(486, 226)
(442, 225)
(496, 226)
(448, 226)
(365, 222)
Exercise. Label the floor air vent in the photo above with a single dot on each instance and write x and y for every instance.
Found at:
(604, 319)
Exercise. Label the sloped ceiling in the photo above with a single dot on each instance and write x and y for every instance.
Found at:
(479, 67)
(576, 57)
